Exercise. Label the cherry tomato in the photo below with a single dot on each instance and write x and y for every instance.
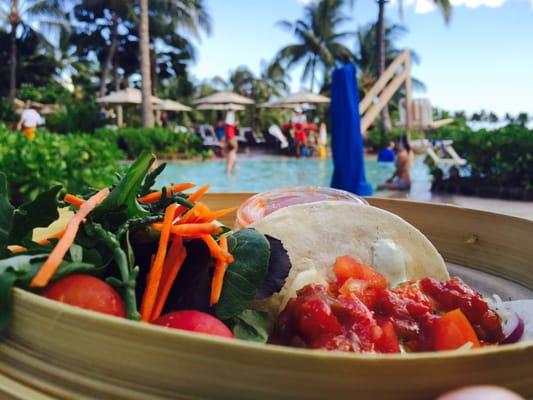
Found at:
(195, 321)
(88, 292)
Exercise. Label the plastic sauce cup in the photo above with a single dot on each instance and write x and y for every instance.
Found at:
(262, 204)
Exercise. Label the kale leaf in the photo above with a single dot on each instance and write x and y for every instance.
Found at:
(245, 275)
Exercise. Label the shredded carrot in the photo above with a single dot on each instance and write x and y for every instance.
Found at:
(155, 196)
(173, 262)
(55, 258)
(190, 229)
(73, 200)
(193, 198)
(21, 249)
(215, 250)
(214, 215)
(57, 235)
(156, 270)
(199, 193)
(194, 213)
(218, 276)
(17, 249)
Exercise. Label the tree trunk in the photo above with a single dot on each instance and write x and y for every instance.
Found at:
(116, 78)
(313, 74)
(380, 58)
(14, 21)
(13, 65)
(146, 86)
(110, 55)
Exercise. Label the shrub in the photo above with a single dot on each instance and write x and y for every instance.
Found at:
(502, 156)
(163, 142)
(76, 161)
(76, 116)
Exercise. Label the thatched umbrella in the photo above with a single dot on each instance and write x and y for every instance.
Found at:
(225, 98)
(125, 97)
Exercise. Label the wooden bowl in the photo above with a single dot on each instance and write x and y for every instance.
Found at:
(64, 352)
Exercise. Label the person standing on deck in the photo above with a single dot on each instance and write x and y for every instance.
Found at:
(231, 140)
(29, 119)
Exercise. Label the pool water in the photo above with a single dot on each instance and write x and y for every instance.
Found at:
(260, 174)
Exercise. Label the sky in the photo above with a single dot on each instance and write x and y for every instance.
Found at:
(483, 59)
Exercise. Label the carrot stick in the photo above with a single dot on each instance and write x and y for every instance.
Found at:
(214, 215)
(55, 258)
(57, 235)
(193, 197)
(199, 193)
(156, 270)
(73, 200)
(17, 249)
(218, 277)
(21, 249)
(175, 258)
(155, 196)
(194, 213)
(215, 250)
(190, 229)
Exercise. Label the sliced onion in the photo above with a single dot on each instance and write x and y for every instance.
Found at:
(513, 328)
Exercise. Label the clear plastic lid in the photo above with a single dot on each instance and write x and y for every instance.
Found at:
(262, 204)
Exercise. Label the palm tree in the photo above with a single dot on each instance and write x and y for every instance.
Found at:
(167, 16)
(37, 15)
(146, 86)
(366, 55)
(318, 42)
(443, 5)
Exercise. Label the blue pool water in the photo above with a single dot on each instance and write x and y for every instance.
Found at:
(260, 174)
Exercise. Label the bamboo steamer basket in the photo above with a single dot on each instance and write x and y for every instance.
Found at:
(57, 351)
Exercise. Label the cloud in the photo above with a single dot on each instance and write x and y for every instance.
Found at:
(306, 2)
(427, 6)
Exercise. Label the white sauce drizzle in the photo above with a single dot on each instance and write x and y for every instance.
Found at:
(389, 260)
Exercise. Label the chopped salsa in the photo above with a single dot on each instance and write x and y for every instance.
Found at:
(357, 312)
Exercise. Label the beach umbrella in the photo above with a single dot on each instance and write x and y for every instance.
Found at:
(228, 106)
(303, 97)
(171, 105)
(126, 96)
(224, 98)
(346, 139)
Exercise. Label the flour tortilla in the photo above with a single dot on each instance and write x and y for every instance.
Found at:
(315, 234)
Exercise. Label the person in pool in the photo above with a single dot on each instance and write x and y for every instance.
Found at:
(387, 154)
(401, 180)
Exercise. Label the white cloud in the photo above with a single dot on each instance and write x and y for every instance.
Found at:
(426, 6)
(478, 3)
(306, 2)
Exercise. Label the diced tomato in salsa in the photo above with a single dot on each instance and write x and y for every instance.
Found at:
(453, 294)
(348, 267)
(358, 313)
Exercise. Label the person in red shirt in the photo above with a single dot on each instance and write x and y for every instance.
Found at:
(231, 140)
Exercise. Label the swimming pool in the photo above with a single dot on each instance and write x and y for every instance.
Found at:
(260, 174)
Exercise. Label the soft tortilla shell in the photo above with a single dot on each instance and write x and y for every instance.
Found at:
(315, 234)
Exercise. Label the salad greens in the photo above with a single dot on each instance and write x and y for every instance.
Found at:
(117, 243)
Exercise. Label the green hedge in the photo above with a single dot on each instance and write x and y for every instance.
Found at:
(163, 142)
(502, 157)
(76, 161)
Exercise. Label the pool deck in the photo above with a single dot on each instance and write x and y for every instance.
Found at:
(522, 209)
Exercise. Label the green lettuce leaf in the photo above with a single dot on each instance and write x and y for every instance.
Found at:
(121, 204)
(250, 325)
(38, 213)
